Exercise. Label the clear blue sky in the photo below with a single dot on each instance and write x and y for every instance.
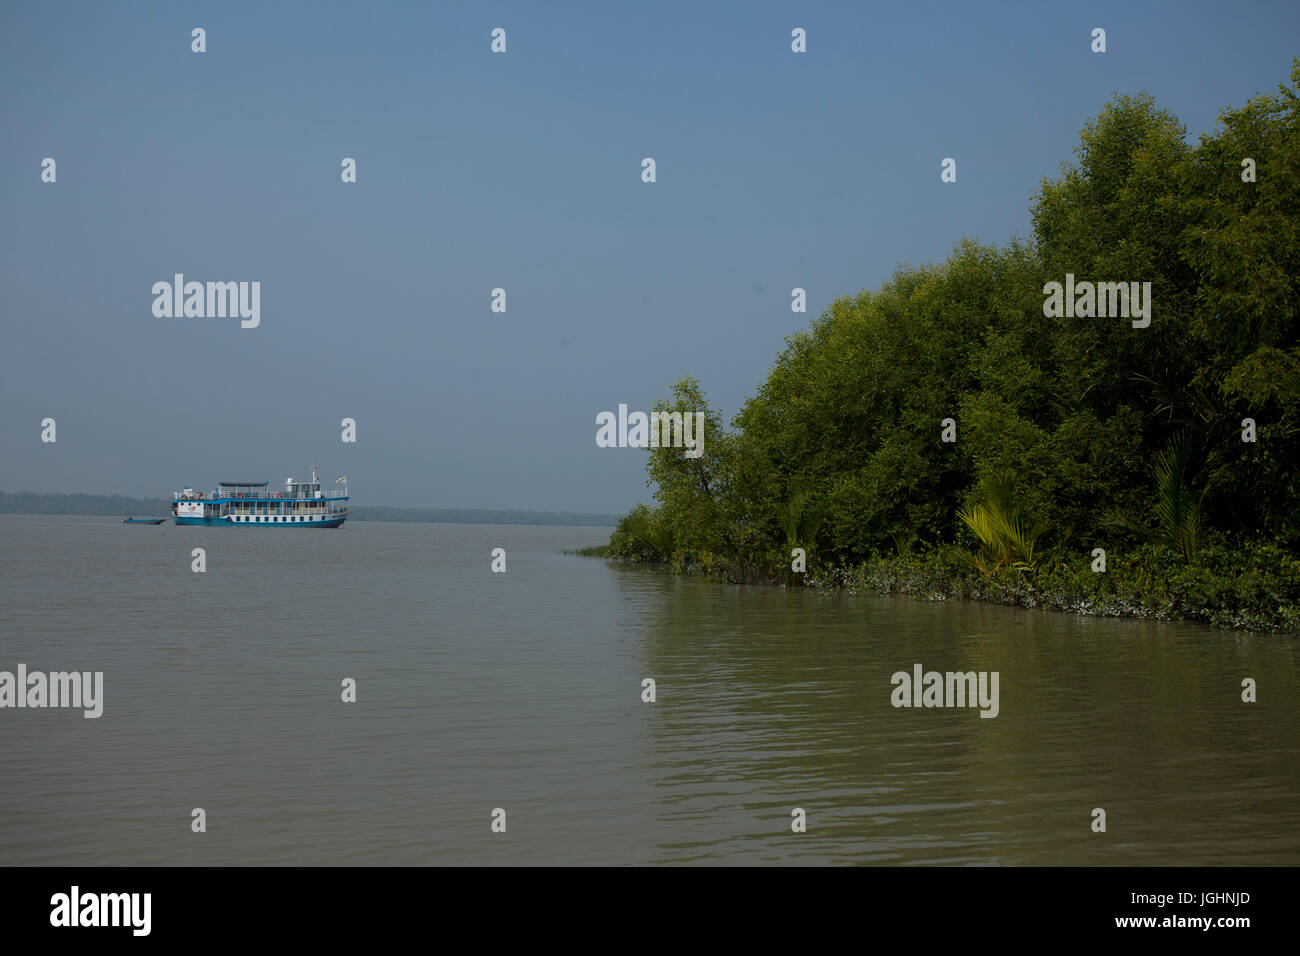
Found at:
(520, 170)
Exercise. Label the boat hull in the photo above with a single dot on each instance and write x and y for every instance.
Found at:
(225, 521)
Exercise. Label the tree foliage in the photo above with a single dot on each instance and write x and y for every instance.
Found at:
(1088, 424)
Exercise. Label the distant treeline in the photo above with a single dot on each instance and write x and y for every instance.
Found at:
(483, 516)
(33, 503)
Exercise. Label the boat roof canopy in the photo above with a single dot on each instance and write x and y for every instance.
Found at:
(241, 484)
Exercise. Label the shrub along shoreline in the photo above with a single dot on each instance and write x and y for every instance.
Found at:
(1255, 589)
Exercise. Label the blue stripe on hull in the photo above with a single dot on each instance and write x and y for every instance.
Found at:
(192, 520)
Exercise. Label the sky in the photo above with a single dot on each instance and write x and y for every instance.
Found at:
(519, 170)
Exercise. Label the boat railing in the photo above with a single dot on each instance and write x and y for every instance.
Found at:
(244, 496)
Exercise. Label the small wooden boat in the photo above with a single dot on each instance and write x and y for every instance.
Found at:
(143, 520)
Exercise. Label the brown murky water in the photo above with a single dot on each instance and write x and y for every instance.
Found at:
(522, 691)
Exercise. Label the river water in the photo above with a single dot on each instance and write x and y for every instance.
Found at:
(523, 691)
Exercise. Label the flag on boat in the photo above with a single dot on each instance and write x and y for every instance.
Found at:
(337, 480)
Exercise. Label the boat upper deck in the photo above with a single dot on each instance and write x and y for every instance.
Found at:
(258, 491)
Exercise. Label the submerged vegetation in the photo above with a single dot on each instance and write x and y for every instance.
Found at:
(1099, 465)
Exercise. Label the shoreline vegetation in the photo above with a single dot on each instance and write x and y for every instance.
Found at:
(29, 502)
(960, 432)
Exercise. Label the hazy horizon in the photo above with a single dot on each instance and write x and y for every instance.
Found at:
(88, 505)
(365, 502)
